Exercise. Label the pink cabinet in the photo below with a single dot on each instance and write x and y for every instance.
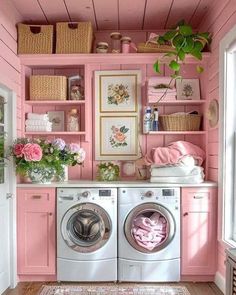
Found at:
(199, 231)
(36, 231)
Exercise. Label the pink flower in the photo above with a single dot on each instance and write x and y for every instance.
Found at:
(17, 150)
(32, 152)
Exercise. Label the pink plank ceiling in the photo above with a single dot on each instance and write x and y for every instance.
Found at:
(156, 15)
(30, 10)
(131, 15)
(81, 10)
(200, 12)
(181, 9)
(54, 10)
(106, 14)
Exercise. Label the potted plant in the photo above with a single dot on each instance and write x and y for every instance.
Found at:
(108, 172)
(184, 41)
(41, 160)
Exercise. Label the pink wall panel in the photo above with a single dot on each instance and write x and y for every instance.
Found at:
(131, 16)
(106, 14)
(54, 10)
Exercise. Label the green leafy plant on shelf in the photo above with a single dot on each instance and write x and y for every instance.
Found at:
(183, 41)
(108, 172)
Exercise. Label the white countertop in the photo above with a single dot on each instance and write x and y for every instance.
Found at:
(90, 183)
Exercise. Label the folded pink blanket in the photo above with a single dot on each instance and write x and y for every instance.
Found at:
(174, 152)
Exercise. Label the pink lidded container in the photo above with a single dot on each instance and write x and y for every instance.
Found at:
(115, 42)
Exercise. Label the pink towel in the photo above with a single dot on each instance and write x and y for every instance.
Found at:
(174, 152)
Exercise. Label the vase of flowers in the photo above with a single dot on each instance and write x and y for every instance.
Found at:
(43, 161)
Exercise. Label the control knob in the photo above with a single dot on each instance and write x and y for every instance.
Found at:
(149, 194)
(85, 194)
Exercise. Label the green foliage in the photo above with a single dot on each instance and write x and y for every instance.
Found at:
(108, 172)
(184, 41)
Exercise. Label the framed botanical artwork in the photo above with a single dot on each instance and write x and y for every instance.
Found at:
(188, 89)
(117, 138)
(57, 119)
(117, 91)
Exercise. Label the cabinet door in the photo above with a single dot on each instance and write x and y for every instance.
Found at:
(198, 231)
(36, 231)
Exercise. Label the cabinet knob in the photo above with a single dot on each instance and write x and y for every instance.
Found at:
(185, 214)
(50, 213)
(36, 197)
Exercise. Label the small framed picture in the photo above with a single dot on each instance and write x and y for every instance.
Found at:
(128, 169)
(58, 120)
(188, 89)
(75, 88)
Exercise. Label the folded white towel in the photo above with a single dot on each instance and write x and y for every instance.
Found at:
(30, 122)
(34, 116)
(176, 171)
(38, 128)
(182, 179)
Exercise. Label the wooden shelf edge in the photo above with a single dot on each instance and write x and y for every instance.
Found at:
(58, 102)
(55, 133)
(107, 58)
(180, 102)
(176, 132)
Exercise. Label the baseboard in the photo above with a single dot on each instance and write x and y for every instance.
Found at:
(220, 282)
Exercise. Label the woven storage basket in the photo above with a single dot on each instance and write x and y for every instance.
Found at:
(48, 87)
(74, 37)
(188, 122)
(35, 39)
(150, 47)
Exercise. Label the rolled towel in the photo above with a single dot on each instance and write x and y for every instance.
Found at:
(178, 170)
(34, 116)
(181, 179)
(46, 128)
(30, 122)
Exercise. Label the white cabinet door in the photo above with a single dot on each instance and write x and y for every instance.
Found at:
(6, 118)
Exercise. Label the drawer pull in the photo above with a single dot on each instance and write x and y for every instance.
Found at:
(36, 197)
(185, 214)
(198, 197)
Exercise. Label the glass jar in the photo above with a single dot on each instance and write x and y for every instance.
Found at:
(102, 47)
(125, 44)
(115, 42)
(73, 121)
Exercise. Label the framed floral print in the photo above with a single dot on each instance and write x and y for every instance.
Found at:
(117, 91)
(188, 89)
(117, 138)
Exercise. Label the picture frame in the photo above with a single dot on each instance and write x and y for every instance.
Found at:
(75, 88)
(58, 120)
(117, 91)
(188, 89)
(117, 138)
(128, 169)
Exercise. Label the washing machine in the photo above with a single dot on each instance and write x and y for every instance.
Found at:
(149, 234)
(86, 234)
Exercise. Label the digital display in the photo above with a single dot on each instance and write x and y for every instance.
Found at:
(105, 193)
(167, 192)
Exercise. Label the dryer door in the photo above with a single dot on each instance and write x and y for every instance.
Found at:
(149, 227)
(86, 227)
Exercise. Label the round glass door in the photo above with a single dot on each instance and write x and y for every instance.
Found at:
(86, 227)
(149, 227)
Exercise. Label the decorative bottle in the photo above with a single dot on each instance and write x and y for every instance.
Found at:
(73, 121)
(115, 42)
(147, 120)
(155, 119)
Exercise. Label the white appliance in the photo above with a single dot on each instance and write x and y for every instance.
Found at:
(87, 234)
(135, 262)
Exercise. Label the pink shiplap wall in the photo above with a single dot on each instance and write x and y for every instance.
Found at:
(9, 61)
(220, 19)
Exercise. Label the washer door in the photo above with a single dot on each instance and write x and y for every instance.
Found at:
(86, 227)
(149, 227)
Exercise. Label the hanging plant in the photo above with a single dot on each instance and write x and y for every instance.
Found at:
(184, 41)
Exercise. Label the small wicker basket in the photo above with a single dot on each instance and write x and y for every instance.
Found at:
(35, 39)
(154, 48)
(44, 87)
(74, 37)
(185, 122)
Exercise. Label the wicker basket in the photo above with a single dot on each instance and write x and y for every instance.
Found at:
(35, 39)
(48, 87)
(74, 37)
(185, 122)
(151, 47)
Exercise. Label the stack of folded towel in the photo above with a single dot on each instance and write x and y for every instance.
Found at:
(38, 122)
(161, 87)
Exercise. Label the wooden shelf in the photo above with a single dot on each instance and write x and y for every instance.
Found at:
(176, 132)
(55, 133)
(180, 102)
(57, 102)
(73, 60)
